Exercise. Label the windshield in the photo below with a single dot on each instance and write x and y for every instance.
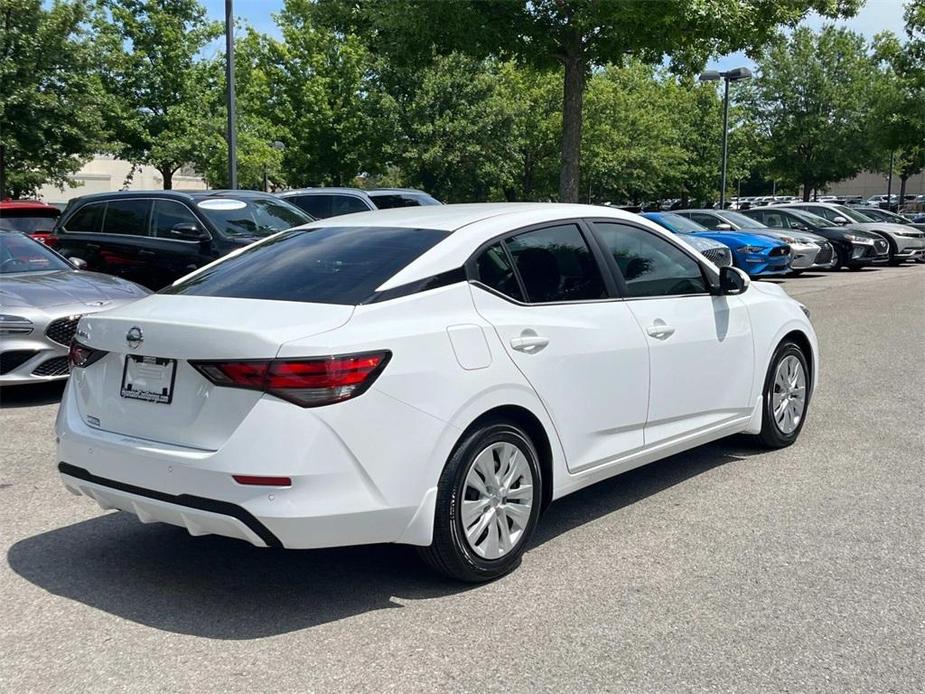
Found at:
(330, 265)
(853, 215)
(19, 253)
(677, 223)
(810, 218)
(252, 217)
(741, 220)
(27, 222)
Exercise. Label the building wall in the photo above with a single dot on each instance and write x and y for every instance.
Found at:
(869, 183)
(104, 174)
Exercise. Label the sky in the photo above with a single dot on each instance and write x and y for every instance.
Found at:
(875, 16)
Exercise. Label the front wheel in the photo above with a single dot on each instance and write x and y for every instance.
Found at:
(488, 502)
(786, 396)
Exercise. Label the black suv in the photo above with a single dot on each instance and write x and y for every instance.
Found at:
(155, 237)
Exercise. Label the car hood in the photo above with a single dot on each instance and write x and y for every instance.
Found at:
(58, 288)
(740, 238)
(885, 227)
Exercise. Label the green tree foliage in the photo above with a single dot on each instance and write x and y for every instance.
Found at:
(151, 69)
(812, 101)
(899, 102)
(49, 97)
(575, 35)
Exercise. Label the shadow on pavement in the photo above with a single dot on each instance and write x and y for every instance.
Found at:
(31, 395)
(219, 588)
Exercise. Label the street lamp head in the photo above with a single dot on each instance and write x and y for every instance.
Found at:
(709, 76)
(278, 145)
(736, 74)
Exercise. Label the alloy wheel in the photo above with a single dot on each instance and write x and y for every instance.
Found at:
(788, 396)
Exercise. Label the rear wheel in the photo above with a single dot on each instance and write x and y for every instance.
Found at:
(786, 396)
(488, 502)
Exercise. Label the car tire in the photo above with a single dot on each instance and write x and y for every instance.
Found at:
(459, 555)
(777, 433)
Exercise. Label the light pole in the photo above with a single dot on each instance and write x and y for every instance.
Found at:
(734, 75)
(232, 136)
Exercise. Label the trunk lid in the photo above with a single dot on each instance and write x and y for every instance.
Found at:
(183, 328)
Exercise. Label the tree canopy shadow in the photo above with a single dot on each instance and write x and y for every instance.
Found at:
(215, 587)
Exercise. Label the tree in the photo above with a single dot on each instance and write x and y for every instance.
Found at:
(899, 107)
(151, 69)
(49, 99)
(573, 35)
(812, 100)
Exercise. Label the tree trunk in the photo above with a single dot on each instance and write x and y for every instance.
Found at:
(902, 191)
(167, 173)
(570, 173)
(807, 189)
(2, 171)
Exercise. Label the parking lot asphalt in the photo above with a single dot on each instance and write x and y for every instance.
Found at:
(726, 568)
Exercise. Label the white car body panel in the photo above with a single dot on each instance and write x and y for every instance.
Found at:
(607, 395)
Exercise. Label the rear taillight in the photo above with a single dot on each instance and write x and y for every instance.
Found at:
(80, 356)
(307, 382)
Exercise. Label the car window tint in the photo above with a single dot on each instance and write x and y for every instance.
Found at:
(386, 201)
(775, 220)
(318, 206)
(87, 218)
(495, 271)
(254, 217)
(707, 220)
(555, 264)
(328, 265)
(129, 217)
(823, 212)
(167, 214)
(651, 266)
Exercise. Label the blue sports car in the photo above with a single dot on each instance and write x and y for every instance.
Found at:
(755, 253)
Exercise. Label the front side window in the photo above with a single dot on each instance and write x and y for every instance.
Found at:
(707, 220)
(127, 217)
(87, 218)
(555, 264)
(651, 266)
(496, 271)
(328, 265)
(740, 220)
(168, 214)
(328, 205)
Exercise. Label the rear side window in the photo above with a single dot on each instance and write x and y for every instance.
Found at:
(651, 266)
(555, 264)
(128, 217)
(331, 265)
(707, 220)
(496, 271)
(87, 218)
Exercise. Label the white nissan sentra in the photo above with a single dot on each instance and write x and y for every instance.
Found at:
(433, 376)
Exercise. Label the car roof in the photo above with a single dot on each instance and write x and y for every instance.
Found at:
(322, 190)
(26, 205)
(184, 195)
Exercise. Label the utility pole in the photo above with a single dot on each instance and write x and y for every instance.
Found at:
(735, 75)
(232, 136)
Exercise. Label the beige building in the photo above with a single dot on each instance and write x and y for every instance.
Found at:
(868, 183)
(104, 174)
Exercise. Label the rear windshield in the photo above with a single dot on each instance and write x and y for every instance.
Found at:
(29, 220)
(385, 201)
(330, 265)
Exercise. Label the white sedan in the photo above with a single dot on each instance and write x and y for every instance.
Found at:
(434, 376)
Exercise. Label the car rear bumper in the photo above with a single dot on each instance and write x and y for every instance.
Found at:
(337, 497)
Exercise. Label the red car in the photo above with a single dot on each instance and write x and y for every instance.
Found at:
(31, 217)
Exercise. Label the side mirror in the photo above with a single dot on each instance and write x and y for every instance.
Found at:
(723, 227)
(732, 280)
(190, 231)
(78, 263)
(840, 221)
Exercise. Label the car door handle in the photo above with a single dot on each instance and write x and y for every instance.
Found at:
(529, 344)
(145, 251)
(95, 246)
(660, 330)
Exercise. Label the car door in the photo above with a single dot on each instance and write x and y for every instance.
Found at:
(701, 354)
(123, 240)
(77, 234)
(177, 251)
(579, 347)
